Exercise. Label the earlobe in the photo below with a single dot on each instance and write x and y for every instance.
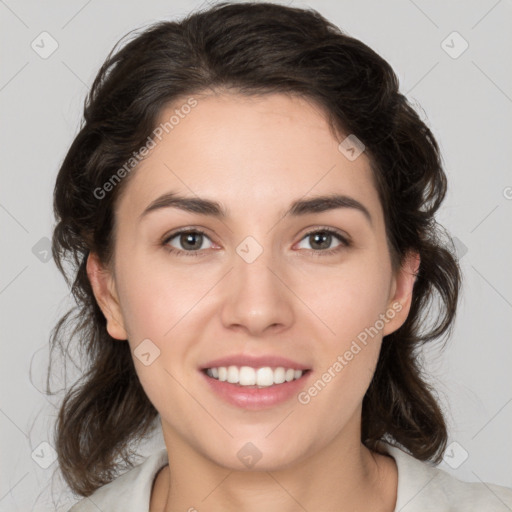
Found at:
(400, 301)
(103, 286)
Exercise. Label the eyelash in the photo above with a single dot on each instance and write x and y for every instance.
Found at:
(344, 242)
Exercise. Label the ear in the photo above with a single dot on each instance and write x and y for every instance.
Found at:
(104, 289)
(401, 292)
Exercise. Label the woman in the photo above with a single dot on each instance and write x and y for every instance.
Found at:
(279, 351)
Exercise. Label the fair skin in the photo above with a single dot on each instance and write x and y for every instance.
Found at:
(256, 156)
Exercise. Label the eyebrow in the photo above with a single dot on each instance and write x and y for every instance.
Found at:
(215, 209)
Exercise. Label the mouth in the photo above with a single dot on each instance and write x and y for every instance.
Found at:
(255, 378)
(255, 387)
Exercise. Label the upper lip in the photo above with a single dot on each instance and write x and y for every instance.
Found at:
(255, 362)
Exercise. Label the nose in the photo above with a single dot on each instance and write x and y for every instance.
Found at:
(258, 299)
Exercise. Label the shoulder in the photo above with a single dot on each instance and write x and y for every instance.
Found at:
(423, 487)
(130, 492)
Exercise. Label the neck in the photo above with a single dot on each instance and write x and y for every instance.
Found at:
(342, 476)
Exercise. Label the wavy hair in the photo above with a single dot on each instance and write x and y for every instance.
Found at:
(253, 49)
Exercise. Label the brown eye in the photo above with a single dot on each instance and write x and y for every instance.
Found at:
(189, 242)
(321, 241)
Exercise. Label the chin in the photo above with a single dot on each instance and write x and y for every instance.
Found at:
(256, 454)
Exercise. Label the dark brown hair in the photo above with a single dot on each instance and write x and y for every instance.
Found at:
(252, 49)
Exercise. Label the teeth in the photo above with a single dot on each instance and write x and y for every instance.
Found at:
(279, 375)
(233, 374)
(248, 376)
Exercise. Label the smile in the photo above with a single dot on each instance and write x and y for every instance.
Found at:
(255, 377)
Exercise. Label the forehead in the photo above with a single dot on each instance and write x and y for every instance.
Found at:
(257, 152)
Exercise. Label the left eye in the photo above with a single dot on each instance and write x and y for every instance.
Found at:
(323, 238)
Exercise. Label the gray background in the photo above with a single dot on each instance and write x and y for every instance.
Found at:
(467, 102)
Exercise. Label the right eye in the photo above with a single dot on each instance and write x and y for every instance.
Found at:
(190, 239)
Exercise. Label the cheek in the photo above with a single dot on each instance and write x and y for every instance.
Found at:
(337, 392)
(346, 300)
(163, 307)
(158, 307)
(158, 299)
(347, 352)
(348, 339)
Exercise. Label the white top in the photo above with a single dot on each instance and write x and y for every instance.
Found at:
(422, 487)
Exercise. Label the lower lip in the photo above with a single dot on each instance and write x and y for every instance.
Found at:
(256, 398)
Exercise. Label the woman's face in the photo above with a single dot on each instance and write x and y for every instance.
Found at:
(309, 290)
